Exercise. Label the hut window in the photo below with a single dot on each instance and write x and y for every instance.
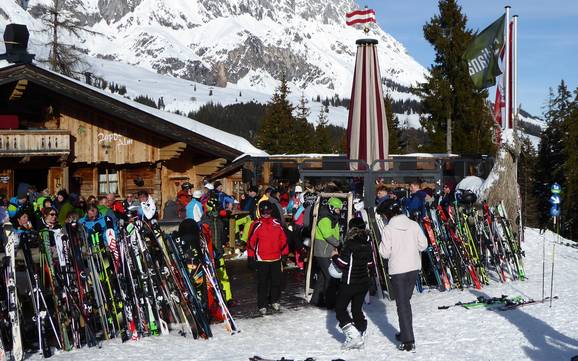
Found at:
(107, 181)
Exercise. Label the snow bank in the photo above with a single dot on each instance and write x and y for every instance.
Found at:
(535, 332)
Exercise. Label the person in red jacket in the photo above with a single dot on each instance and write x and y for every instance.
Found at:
(267, 246)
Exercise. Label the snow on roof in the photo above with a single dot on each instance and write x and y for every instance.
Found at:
(230, 140)
(233, 141)
(303, 155)
(426, 155)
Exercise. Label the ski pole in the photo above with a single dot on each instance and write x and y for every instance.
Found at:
(543, 261)
(557, 226)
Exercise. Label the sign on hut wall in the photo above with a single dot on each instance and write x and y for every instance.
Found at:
(114, 138)
(98, 138)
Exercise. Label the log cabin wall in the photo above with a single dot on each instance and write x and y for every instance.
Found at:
(98, 138)
(87, 177)
(189, 167)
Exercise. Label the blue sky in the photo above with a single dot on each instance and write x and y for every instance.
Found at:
(547, 45)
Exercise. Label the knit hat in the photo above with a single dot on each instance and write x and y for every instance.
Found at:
(197, 194)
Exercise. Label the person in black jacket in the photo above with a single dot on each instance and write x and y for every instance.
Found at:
(354, 261)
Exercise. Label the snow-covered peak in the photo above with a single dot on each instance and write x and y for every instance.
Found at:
(222, 42)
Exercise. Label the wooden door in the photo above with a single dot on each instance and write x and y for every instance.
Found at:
(7, 182)
(56, 179)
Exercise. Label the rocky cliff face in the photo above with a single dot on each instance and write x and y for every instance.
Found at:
(245, 42)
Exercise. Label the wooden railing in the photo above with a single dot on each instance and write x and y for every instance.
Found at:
(41, 142)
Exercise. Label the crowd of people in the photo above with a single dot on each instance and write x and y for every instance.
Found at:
(31, 210)
(271, 226)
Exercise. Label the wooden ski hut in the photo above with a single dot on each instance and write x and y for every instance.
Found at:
(57, 132)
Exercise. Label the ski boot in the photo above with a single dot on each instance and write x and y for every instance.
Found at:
(406, 346)
(352, 337)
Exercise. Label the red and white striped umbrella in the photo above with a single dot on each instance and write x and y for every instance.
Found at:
(367, 135)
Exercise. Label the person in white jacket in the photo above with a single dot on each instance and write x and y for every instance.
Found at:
(402, 241)
(148, 209)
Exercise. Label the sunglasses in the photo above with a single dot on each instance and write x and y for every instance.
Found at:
(52, 214)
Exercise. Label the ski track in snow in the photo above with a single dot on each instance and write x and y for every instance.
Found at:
(534, 332)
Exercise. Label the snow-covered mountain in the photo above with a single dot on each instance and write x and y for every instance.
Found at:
(228, 51)
(244, 42)
(234, 50)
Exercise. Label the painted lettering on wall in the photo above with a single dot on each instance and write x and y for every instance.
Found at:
(116, 138)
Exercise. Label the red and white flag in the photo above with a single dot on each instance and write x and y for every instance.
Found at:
(360, 17)
(500, 101)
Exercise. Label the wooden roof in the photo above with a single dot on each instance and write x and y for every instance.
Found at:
(90, 96)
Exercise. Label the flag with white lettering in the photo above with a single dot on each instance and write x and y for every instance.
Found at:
(483, 53)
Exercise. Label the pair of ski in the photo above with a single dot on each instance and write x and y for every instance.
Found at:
(14, 350)
(207, 269)
(259, 358)
(503, 303)
(188, 308)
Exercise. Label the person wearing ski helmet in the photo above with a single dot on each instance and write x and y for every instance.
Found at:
(402, 243)
(194, 209)
(354, 261)
(266, 247)
(327, 235)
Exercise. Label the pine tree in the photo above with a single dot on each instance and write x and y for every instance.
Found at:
(161, 103)
(570, 167)
(392, 126)
(448, 90)
(526, 180)
(144, 99)
(277, 123)
(304, 142)
(63, 58)
(323, 141)
(551, 153)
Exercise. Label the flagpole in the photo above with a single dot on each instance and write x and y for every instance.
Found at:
(515, 67)
(506, 120)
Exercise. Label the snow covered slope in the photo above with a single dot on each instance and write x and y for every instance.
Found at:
(536, 332)
(237, 48)
(245, 42)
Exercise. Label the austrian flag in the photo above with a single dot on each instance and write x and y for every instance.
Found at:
(360, 17)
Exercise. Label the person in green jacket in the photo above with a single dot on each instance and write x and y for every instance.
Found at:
(63, 205)
(327, 239)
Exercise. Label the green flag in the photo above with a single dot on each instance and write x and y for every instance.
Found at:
(483, 53)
